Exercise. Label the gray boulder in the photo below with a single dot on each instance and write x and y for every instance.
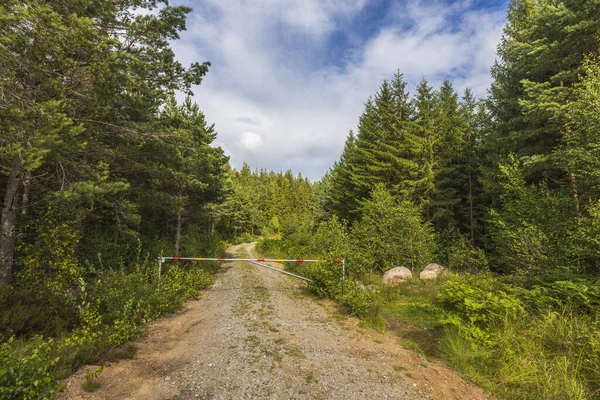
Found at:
(396, 276)
(432, 271)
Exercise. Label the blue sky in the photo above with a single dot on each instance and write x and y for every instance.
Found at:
(289, 78)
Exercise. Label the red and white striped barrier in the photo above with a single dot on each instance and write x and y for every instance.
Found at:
(255, 261)
(246, 259)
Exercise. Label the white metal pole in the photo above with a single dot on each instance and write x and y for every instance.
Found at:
(160, 262)
(343, 275)
(283, 272)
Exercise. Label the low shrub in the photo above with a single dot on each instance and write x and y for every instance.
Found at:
(25, 312)
(581, 296)
(111, 310)
(26, 369)
(326, 278)
(364, 304)
(477, 306)
(271, 247)
(541, 342)
(245, 237)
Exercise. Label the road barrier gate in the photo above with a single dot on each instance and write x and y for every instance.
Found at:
(255, 261)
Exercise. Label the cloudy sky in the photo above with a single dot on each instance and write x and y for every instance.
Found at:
(289, 78)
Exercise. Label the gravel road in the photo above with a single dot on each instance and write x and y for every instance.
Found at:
(255, 335)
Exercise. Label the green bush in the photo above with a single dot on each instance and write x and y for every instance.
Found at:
(364, 304)
(581, 296)
(326, 278)
(243, 238)
(331, 239)
(270, 247)
(477, 306)
(457, 253)
(26, 369)
(26, 312)
(541, 342)
(535, 232)
(111, 310)
(389, 234)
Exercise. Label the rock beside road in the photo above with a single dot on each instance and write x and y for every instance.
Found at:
(432, 271)
(397, 275)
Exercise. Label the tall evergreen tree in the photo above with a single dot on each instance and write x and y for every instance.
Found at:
(450, 151)
(476, 120)
(423, 143)
(539, 59)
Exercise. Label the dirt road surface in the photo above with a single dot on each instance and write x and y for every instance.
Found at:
(254, 335)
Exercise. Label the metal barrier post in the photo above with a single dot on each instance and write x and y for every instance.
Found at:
(160, 263)
(343, 275)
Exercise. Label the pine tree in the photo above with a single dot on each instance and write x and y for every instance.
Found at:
(476, 119)
(422, 187)
(450, 175)
(81, 84)
(540, 57)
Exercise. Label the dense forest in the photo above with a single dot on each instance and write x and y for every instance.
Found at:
(102, 170)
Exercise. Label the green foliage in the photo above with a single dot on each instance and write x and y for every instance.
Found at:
(25, 312)
(243, 238)
(270, 248)
(535, 230)
(389, 234)
(539, 60)
(112, 309)
(539, 342)
(364, 304)
(552, 355)
(326, 278)
(90, 128)
(50, 263)
(26, 369)
(477, 306)
(267, 203)
(457, 253)
(580, 296)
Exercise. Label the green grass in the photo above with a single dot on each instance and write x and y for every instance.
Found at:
(90, 386)
(546, 354)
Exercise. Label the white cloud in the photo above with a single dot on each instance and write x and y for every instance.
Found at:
(277, 106)
(251, 141)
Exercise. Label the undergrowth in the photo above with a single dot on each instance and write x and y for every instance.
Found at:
(109, 310)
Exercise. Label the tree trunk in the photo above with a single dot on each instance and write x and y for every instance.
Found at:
(471, 221)
(575, 194)
(26, 190)
(8, 221)
(178, 235)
